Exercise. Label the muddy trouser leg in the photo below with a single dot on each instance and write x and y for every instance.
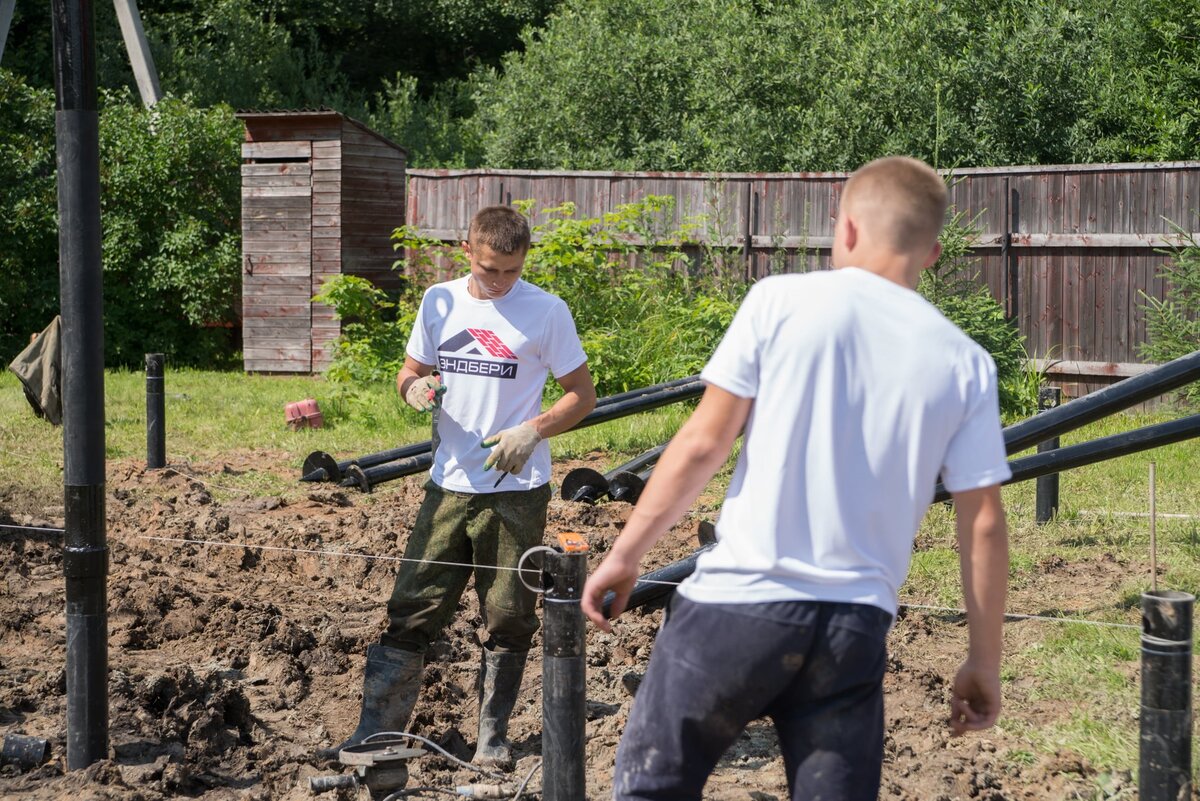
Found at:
(830, 721)
(425, 596)
(511, 524)
(701, 691)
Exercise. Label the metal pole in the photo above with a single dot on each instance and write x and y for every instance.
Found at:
(1047, 486)
(1165, 755)
(564, 676)
(85, 556)
(156, 413)
(1153, 534)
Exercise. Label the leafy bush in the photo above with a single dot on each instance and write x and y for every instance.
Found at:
(170, 199)
(816, 85)
(1173, 324)
(642, 316)
(28, 206)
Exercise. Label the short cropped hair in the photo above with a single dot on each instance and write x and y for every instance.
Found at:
(502, 228)
(899, 199)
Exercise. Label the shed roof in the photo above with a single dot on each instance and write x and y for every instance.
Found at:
(311, 114)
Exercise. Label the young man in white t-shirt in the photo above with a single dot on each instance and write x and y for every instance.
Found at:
(853, 393)
(492, 338)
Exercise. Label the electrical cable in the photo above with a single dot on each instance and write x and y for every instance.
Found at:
(438, 748)
(528, 776)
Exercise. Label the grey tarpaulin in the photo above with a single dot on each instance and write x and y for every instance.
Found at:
(39, 367)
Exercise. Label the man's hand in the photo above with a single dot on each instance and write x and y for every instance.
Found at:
(425, 392)
(617, 574)
(512, 448)
(974, 699)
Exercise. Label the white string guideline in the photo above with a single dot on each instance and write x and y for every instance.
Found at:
(317, 552)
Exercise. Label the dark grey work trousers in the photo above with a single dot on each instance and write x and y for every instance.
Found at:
(815, 669)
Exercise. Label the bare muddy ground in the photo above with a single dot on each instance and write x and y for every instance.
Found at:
(229, 666)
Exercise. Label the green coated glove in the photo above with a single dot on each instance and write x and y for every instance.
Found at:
(425, 393)
(512, 448)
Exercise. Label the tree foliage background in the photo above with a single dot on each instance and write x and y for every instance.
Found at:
(601, 84)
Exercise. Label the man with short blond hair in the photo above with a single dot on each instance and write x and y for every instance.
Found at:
(852, 393)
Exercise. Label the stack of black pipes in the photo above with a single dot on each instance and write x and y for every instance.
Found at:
(367, 471)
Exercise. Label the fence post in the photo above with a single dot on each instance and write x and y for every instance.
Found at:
(156, 414)
(564, 672)
(1047, 486)
(1165, 753)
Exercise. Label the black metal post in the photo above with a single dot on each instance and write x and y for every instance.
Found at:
(1047, 486)
(1012, 267)
(1165, 754)
(85, 556)
(564, 676)
(156, 413)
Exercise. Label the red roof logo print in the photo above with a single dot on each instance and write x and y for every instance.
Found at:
(492, 343)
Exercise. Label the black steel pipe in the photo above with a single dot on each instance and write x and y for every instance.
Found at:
(81, 288)
(1165, 753)
(314, 465)
(156, 413)
(585, 485)
(1046, 506)
(564, 677)
(657, 583)
(25, 752)
(1097, 450)
(366, 479)
(1115, 398)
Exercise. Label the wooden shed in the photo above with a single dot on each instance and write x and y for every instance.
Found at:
(321, 194)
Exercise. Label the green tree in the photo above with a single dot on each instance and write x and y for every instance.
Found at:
(816, 85)
(28, 205)
(170, 196)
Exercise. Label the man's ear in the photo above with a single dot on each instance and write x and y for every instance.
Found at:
(933, 256)
(849, 232)
(466, 247)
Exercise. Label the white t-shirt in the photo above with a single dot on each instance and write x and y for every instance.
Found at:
(863, 392)
(494, 356)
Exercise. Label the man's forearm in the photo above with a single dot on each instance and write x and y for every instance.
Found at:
(568, 410)
(983, 555)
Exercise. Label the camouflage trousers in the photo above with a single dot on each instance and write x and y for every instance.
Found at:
(485, 530)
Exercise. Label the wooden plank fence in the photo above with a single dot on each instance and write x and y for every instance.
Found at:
(1068, 250)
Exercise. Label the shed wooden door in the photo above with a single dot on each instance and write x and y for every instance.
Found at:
(277, 256)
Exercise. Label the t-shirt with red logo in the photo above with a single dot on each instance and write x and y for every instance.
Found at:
(494, 356)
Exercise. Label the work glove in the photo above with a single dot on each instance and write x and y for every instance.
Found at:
(425, 393)
(512, 448)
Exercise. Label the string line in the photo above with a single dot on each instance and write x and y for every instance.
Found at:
(642, 581)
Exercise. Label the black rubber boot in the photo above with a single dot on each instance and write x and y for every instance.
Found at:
(391, 681)
(499, 683)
